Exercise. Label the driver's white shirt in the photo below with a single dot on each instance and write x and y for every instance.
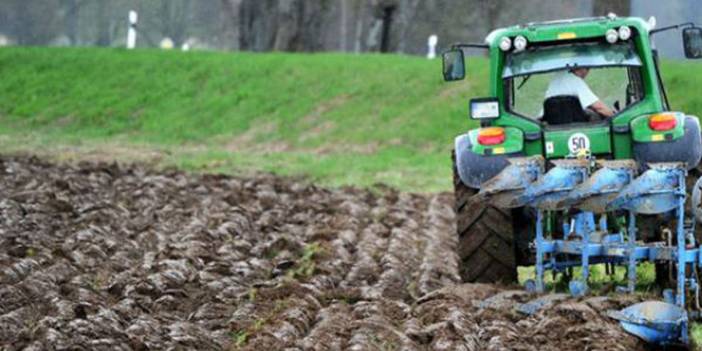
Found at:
(566, 83)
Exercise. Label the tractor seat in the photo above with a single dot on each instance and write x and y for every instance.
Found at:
(563, 109)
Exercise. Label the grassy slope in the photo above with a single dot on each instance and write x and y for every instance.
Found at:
(341, 119)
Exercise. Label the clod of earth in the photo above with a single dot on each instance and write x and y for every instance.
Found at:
(101, 256)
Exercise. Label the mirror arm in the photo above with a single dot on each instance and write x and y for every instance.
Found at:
(675, 26)
(470, 45)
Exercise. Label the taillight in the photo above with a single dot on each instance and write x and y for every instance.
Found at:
(491, 136)
(662, 122)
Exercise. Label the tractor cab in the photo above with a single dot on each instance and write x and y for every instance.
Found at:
(577, 159)
(575, 86)
(528, 61)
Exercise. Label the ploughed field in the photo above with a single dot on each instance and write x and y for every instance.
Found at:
(99, 256)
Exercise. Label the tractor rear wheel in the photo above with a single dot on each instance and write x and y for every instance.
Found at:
(486, 240)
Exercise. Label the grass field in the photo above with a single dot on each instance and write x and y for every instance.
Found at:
(339, 119)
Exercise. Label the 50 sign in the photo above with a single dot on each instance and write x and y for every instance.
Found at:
(578, 142)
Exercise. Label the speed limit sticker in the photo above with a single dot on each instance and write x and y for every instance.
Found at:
(578, 142)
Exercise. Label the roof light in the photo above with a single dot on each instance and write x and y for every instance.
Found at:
(662, 122)
(520, 43)
(491, 136)
(612, 36)
(505, 43)
(624, 33)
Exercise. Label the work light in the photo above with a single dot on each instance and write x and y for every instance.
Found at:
(624, 32)
(612, 36)
(484, 108)
(505, 43)
(520, 43)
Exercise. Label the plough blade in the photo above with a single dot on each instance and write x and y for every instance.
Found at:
(601, 187)
(551, 189)
(654, 321)
(656, 191)
(504, 189)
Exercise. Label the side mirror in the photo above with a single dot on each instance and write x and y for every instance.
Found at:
(692, 42)
(453, 65)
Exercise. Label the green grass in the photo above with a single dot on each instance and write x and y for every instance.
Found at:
(339, 119)
(598, 280)
(696, 336)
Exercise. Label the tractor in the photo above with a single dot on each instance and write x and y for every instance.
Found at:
(552, 180)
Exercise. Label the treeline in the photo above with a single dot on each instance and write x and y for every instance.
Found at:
(285, 25)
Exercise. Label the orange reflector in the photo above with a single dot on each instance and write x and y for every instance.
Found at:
(662, 122)
(491, 136)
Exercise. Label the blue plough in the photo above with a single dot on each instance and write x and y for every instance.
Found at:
(582, 195)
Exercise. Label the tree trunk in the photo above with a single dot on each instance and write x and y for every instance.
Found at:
(71, 11)
(103, 24)
(287, 34)
(621, 8)
(343, 26)
(360, 15)
(406, 23)
(231, 23)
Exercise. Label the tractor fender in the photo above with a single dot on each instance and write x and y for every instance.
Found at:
(686, 149)
(473, 168)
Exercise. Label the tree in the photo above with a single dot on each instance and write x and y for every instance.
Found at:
(621, 8)
(71, 10)
(102, 24)
(29, 22)
(230, 24)
(173, 19)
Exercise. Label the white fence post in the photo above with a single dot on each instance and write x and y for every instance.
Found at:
(433, 40)
(131, 31)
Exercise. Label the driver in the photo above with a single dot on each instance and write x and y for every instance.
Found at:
(572, 82)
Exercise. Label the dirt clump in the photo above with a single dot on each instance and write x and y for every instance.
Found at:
(109, 257)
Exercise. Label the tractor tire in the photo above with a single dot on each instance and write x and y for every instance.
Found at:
(486, 240)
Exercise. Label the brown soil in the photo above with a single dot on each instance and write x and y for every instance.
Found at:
(99, 256)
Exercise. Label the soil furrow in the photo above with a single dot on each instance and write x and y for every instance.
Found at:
(439, 266)
(101, 256)
(402, 257)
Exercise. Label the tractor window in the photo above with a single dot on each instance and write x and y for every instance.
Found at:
(618, 87)
(553, 58)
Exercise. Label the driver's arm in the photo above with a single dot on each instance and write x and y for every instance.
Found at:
(602, 109)
(589, 99)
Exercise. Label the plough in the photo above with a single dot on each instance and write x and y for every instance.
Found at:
(589, 194)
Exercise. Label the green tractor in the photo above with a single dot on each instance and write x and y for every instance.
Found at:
(552, 161)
